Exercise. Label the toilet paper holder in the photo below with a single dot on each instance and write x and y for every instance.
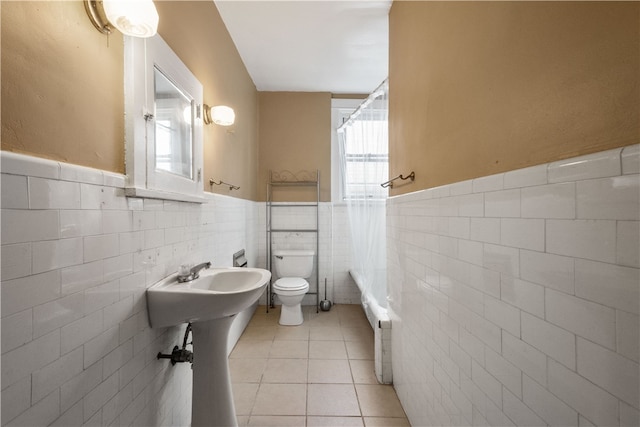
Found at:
(239, 259)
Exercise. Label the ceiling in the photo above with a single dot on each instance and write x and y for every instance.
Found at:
(332, 46)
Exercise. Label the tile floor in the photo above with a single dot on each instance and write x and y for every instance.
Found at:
(317, 374)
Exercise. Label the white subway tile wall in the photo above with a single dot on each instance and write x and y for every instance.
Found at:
(519, 306)
(77, 256)
(334, 246)
(631, 159)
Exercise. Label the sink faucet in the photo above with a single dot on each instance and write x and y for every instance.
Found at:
(194, 273)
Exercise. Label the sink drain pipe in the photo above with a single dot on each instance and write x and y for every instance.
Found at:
(180, 355)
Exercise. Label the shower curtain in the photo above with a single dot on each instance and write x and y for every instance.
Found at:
(364, 161)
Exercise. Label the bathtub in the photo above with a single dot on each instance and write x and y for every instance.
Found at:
(375, 309)
(238, 326)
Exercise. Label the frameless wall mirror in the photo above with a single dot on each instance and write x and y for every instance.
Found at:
(163, 106)
(174, 127)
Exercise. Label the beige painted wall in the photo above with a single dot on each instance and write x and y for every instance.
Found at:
(230, 153)
(62, 87)
(478, 88)
(62, 81)
(295, 135)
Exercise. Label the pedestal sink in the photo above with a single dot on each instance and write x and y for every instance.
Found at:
(209, 303)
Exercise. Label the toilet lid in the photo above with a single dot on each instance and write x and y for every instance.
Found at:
(291, 283)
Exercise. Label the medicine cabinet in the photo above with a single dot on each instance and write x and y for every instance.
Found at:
(163, 123)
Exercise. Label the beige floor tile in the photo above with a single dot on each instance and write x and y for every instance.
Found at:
(356, 323)
(276, 421)
(310, 309)
(261, 317)
(286, 371)
(360, 350)
(334, 322)
(326, 333)
(334, 422)
(289, 349)
(280, 399)
(327, 350)
(304, 375)
(365, 338)
(292, 333)
(260, 332)
(346, 308)
(251, 349)
(329, 371)
(332, 400)
(244, 396)
(351, 312)
(246, 370)
(357, 334)
(321, 319)
(386, 422)
(379, 401)
(363, 371)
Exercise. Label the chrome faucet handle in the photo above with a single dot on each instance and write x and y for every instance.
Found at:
(195, 271)
(186, 274)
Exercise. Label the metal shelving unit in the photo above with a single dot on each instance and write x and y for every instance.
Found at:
(288, 179)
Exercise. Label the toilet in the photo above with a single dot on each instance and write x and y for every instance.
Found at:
(292, 267)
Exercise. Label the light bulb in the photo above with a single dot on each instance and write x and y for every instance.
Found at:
(223, 115)
(137, 18)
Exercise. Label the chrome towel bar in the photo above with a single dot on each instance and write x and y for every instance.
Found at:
(231, 186)
(411, 176)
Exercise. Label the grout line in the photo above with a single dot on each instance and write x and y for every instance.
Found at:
(348, 320)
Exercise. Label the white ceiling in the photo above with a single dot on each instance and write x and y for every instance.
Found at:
(333, 46)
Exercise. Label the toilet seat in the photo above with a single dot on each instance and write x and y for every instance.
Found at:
(289, 285)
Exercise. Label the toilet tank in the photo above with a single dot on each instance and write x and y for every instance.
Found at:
(293, 263)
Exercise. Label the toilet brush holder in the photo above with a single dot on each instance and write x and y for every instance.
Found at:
(325, 304)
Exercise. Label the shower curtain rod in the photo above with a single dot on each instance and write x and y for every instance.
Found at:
(372, 96)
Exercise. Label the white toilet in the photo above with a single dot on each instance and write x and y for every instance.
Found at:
(292, 267)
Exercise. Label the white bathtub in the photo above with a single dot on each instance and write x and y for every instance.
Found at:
(239, 325)
(380, 322)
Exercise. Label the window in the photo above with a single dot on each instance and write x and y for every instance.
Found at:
(341, 109)
(366, 160)
(360, 151)
(163, 134)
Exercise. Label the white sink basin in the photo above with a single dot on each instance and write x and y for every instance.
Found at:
(217, 293)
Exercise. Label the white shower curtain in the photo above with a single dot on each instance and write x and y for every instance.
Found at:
(364, 161)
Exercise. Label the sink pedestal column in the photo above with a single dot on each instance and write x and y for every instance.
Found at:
(212, 400)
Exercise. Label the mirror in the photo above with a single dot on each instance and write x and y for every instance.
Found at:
(163, 123)
(174, 118)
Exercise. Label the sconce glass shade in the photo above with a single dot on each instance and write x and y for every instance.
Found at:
(220, 115)
(137, 18)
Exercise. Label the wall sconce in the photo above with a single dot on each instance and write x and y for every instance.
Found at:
(220, 115)
(137, 18)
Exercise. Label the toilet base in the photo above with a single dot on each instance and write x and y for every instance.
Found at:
(291, 315)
